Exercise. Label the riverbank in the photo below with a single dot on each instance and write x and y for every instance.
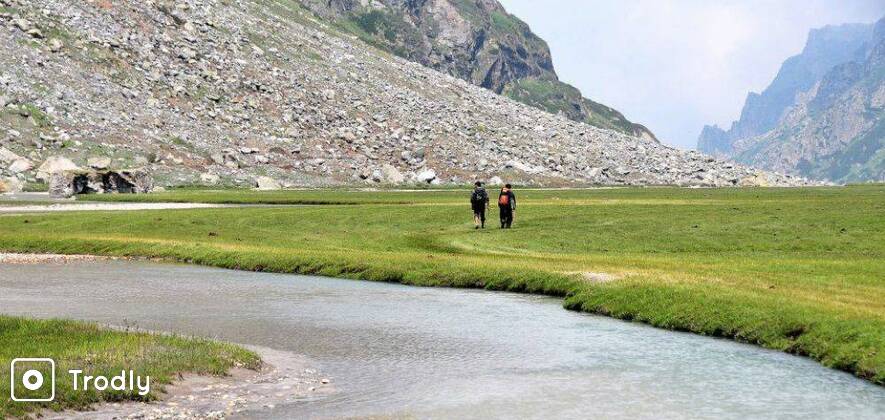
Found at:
(106, 352)
(798, 270)
(283, 378)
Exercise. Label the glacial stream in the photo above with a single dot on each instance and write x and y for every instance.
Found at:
(408, 352)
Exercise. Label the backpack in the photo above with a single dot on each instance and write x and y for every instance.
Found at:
(479, 196)
(504, 199)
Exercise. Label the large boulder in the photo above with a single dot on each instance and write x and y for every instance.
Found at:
(99, 162)
(391, 175)
(55, 164)
(266, 183)
(20, 166)
(64, 184)
(426, 176)
(10, 185)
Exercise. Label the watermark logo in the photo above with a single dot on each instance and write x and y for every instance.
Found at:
(32, 379)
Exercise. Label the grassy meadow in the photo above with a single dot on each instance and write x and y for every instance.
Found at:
(798, 270)
(78, 345)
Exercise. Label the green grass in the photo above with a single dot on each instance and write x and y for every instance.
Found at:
(98, 351)
(798, 270)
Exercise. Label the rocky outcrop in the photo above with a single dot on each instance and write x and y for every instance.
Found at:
(242, 88)
(64, 184)
(825, 49)
(474, 40)
(834, 130)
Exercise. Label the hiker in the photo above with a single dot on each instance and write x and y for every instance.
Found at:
(479, 201)
(507, 205)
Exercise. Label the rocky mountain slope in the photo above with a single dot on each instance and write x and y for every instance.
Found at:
(822, 115)
(234, 91)
(475, 40)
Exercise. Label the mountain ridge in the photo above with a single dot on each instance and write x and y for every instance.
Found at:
(477, 41)
(830, 128)
(235, 92)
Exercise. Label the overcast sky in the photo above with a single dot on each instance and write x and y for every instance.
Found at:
(675, 65)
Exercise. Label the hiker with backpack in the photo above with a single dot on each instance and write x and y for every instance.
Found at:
(507, 205)
(479, 201)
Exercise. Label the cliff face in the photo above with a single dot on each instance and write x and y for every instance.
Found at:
(836, 130)
(822, 116)
(474, 40)
(826, 48)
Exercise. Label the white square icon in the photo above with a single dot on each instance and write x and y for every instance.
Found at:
(30, 379)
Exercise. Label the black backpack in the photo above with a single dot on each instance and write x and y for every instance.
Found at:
(479, 196)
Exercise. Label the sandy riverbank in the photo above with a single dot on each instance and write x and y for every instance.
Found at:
(284, 378)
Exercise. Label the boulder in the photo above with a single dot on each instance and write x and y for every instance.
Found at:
(10, 185)
(55, 164)
(99, 162)
(209, 179)
(391, 175)
(496, 180)
(266, 183)
(64, 184)
(20, 166)
(426, 176)
(7, 156)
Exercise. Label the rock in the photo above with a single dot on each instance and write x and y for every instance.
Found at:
(23, 25)
(209, 179)
(61, 184)
(426, 176)
(99, 162)
(391, 175)
(20, 166)
(10, 185)
(55, 45)
(496, 180)
(261, 159)
(265, 183)
(55, 164)
(7, 156)
(64, 184)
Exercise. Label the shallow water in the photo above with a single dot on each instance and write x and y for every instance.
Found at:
(401, 351)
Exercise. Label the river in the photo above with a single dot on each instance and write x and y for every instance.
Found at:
(397, 351)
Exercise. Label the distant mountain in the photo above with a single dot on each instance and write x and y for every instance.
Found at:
(822, 117)
(474, 40)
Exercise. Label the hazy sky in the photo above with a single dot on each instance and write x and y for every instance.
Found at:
(675, 65)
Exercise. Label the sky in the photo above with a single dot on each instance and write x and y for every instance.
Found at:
(676, 65)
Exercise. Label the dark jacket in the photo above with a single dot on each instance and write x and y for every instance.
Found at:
(511, 202)
(479, 198)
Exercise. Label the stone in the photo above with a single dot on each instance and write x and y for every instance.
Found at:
(266, 183)
(65, 184)
(20, 166)
(55, 164)
(55, 45)
(99, 162)
(426, 176)
(496, 180)
(10, 185)
(391, 175)
(209, 179)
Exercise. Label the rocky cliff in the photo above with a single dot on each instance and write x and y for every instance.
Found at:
(475, 40)
(836, 130)
(822, 104)
(246, 91)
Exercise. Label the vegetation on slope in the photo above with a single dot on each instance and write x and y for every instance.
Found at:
(77, 345)
(557, 97)
(798, 270)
